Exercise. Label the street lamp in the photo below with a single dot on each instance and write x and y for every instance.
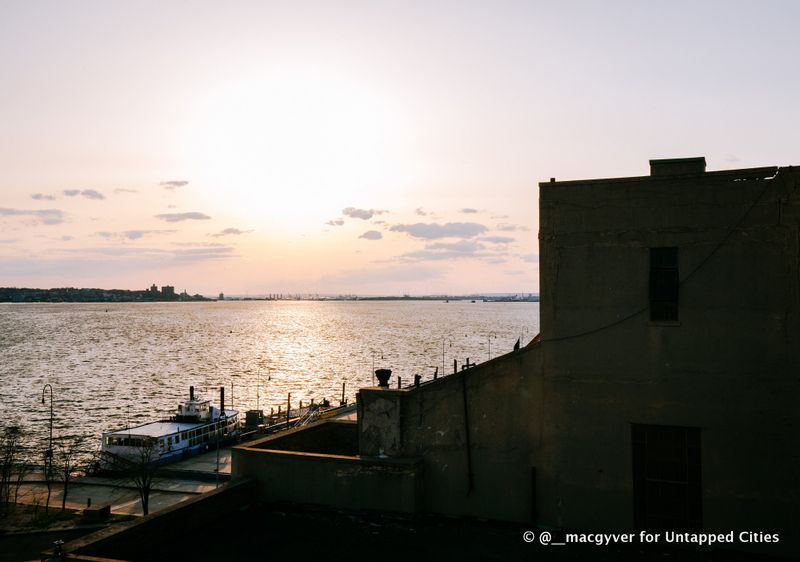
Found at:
(451, 345)
(489, 342)
(49, 456)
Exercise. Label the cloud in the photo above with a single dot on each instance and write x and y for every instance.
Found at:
(438, 251)
(462, 246)
(531, 258)
(172, 185)
(364, 214)
(42, 197)
(67, 238)
(92, 194)
(512, 227)
(204, 254)
(45, 216)
(124, 190)
(177, 217)
(468, 210)
(151, 255)
(88, 193)
(231, 231)
(433, 231)
(336, 222)
(371, 235)
(131, 234)
(497, 239)
(420, 212)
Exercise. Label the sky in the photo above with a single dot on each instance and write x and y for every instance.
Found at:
(356, 147)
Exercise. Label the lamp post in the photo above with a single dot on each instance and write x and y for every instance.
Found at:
(451, 345)
(489, 342)
(49, 455)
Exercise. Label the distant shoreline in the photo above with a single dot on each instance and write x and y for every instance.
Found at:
(94, 295)
(72, 294)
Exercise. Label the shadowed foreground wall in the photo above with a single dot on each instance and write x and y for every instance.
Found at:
(503, 408)
(284, 473)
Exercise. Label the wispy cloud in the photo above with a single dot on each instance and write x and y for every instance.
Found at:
(131, 234)
(124, 190)
(468, 211)
(335, 222)
(177, 217)
(67, 238)
(497, 239)
(364, 214)
(88, 193)
(92, 194)
(432, 231)
(205, 254)
(231, 232)
(371, 235)
(530, 258)
(45, 216)
(419, 211)
(42, 197)
(512, 227)
(172, 185)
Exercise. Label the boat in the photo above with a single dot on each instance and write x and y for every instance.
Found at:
(196, 426)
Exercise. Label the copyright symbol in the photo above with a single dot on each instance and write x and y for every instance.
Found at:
(544, 538)
(528, 536)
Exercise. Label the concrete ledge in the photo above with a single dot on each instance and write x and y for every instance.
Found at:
(347, 482)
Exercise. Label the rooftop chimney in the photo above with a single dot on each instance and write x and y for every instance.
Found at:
(222, 400)
(678, 166)
(191, 393)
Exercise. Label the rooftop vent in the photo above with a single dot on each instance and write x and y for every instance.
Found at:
(677, 166)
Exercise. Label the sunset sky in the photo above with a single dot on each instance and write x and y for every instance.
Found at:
(356, 147)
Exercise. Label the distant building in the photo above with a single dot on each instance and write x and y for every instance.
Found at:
(153, 289)
(168, 291)
(221, 297)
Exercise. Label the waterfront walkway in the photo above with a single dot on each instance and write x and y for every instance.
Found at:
(173, 484)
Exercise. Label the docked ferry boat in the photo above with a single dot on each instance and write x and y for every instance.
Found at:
(197, 426)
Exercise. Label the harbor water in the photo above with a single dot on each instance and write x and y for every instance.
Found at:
(119, 365)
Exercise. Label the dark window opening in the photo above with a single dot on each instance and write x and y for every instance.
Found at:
(667, 493)
(663, 284)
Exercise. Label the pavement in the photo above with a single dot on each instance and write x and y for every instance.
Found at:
(174, 483)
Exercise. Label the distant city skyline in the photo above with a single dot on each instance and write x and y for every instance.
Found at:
(356, 147)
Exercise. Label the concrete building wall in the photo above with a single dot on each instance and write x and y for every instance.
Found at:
(287, 470)
(503, 399)
(728, 366)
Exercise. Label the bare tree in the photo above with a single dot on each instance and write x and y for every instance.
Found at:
(9, 452)
(66, 462)
(139, 467)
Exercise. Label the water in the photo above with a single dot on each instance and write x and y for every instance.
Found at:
(115, 365)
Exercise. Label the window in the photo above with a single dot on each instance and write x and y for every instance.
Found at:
(667, 491)
(664, 284)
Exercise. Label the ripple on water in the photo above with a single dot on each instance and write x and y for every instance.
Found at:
(136, 361)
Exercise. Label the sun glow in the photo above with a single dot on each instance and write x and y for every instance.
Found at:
(295, 145)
